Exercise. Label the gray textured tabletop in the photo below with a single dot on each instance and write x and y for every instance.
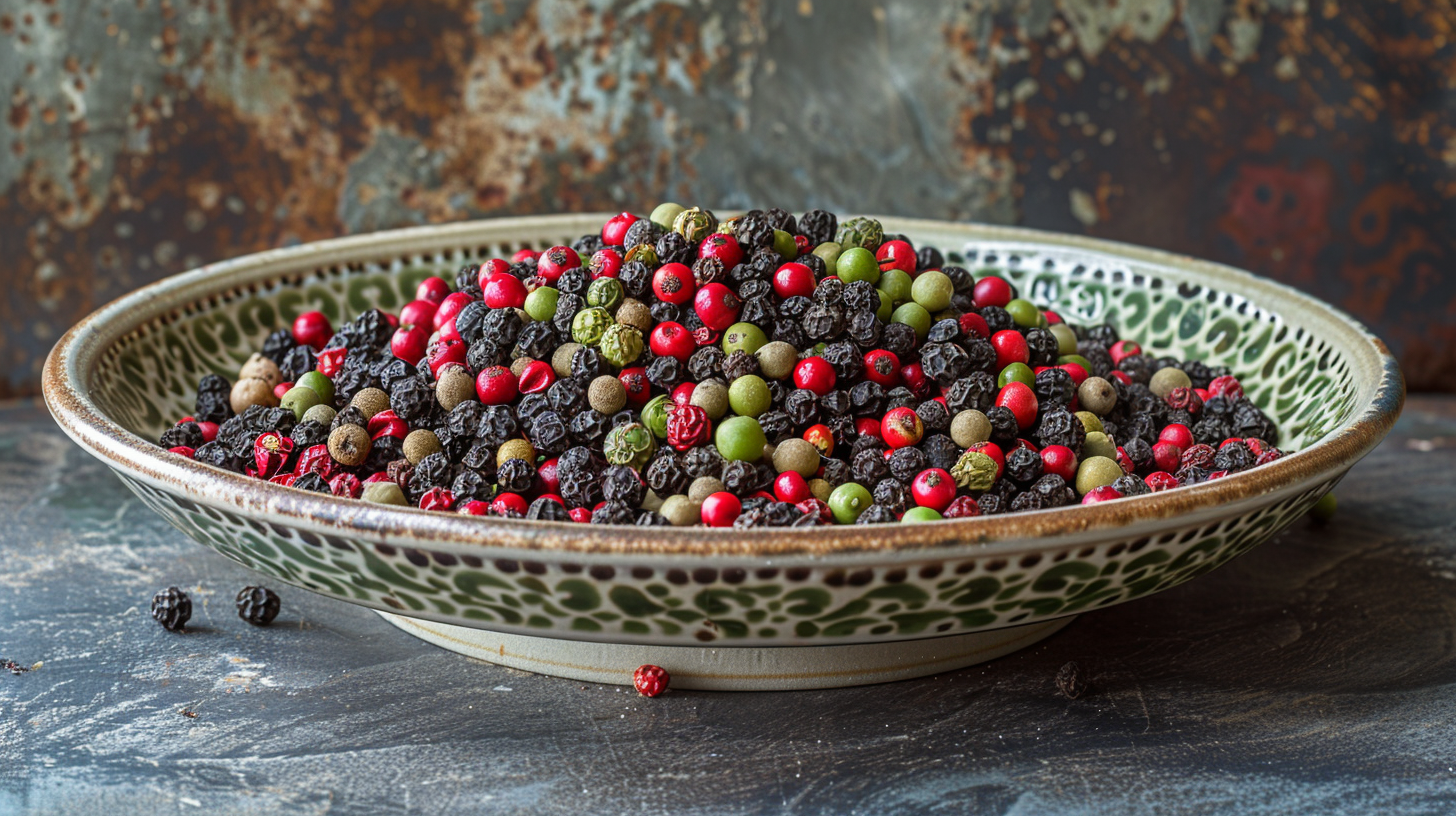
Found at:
(1316, 674)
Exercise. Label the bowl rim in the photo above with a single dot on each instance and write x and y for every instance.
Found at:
(67, 395)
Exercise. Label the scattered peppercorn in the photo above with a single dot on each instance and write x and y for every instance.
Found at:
(172, 608)
(257, 605)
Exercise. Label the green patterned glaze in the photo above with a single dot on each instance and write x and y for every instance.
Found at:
(1327, 384)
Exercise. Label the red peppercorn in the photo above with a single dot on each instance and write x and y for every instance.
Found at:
(638, 387)
(451, 307)
(1124, 461)
(270, 453)
(704, 336)
(816, 508)
(449, 331)
(674, 283)
(1123, 348)
(281, 388)
(913, 375)
(496, 385)
(1177, 434)
(285, 479)
(721, 509)
(1052, 317)
(1061, 460)
(821, 437)
(1158, 481)
(793, 279)
(933, 488)
(868, 426)
(650, 680)
(555, 261)
(1217, 474)
(1256, 446)
(1167, 456)
(669, 339)
(975, 325)
(536, 377)
(896, 254)
(209, 433)
(962, 507)
(992, 291)
(474, 507)
(346, 485)
(580, 515)
(882, 367)
(1077, 372)
(992, 450)
(1227, 387)
(523, 255)
(683, 393)
(502, 290)
(1121, 376)
(802, 244)
(1101, 494)
(722, 246)
(1198, 456)
(687, 427)
(183, 450)
(418, 313)
(614, 232)
(902, 428)
(316, 459)
(791, 487)
(508, 503)
(491, 267)
(433, 289)
(604, 263)
(717, 306)
(312, 329)
(447, 352)
(1018, 397)
(1184, 399)
(437, 498)
(815, 374)
(1268, 456)
(1010, 348)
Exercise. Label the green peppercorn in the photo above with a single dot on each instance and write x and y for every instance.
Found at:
(1090, 421)
(629, 444)
(1016, 372)
(857, 264)
(974, 471)
(1168, 379)
(821, 490)
(299, 399)
(1095, 472)
(745, 336)
(848, 501)
(1098, 444)
(665, 214)
(739, 438)
(606, 293)
(933, 290)
(322, 414)
(541, 304)
(861, 232)
(918, 515)
(621, 344)
(694, 224)
(784, 245)
(646, 253)
(749, 395)
(1075, 358)
(913, 315)
(1025, 313)
(895, 287)
(321, 385)
(1066, 338)
(829, 252)
(654, 415)
(589, 325)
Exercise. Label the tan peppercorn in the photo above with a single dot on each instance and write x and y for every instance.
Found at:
(518, 366)
(969, 427)
(1167, 379)
(1098, 444)
(797, 455)
(1097, 395)
(635, 313)
(454, 387)
(820, 489)
(606, 394)
(420, 443)
(681, 511)
(370, 401)
(703, 487)
(651, 501)
(383, 493)
(1090, 422)
(561, 358)
(251, 391)
(322, 414)
(515, 449)
(777, 360)
(711, 396)
(349, 445)
(262, 368)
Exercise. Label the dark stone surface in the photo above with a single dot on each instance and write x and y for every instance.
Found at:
(1311, 141)
(1315, 674)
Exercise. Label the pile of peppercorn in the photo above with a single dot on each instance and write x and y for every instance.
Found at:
(759, 371)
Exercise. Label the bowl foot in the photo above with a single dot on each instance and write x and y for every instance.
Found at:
(733, 668)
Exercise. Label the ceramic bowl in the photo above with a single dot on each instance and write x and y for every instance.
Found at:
(728, 608)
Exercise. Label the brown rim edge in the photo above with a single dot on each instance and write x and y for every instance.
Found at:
(67, 397)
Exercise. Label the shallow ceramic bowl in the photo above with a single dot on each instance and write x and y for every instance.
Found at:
(728, 608)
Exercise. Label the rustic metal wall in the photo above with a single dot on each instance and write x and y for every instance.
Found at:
(1309, 140)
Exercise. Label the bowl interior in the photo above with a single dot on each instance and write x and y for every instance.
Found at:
(1305, 368)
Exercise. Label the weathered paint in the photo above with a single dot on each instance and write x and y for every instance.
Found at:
(1310, 141)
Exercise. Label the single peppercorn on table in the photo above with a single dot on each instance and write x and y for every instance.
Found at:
(1313, 674)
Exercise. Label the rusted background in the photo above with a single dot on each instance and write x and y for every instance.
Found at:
(1311, 141)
